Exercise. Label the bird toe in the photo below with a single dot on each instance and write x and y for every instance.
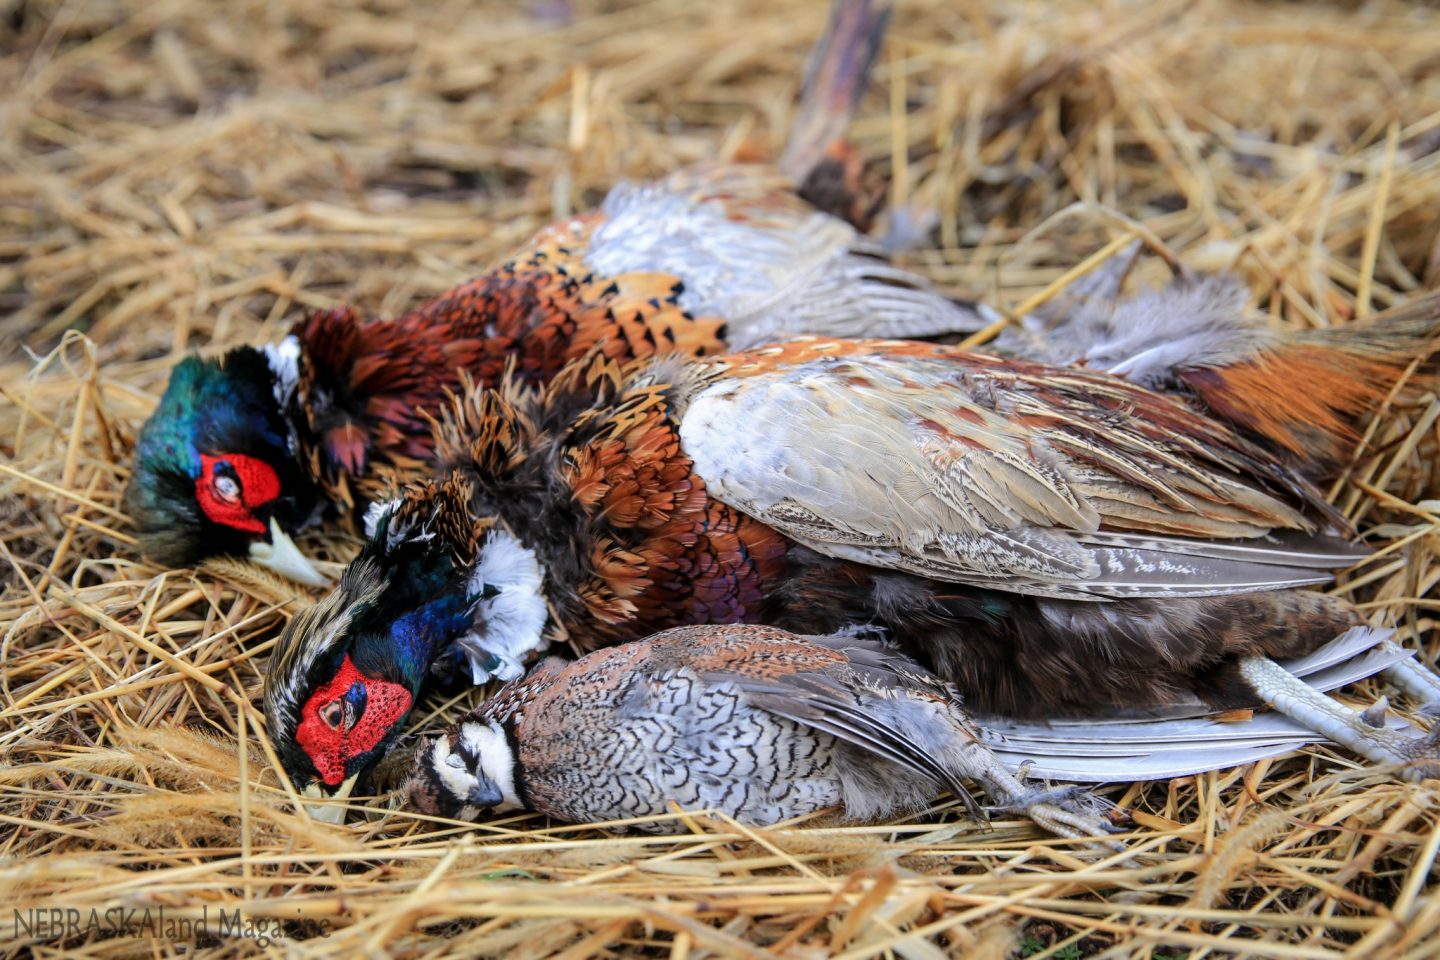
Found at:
(1422, 754)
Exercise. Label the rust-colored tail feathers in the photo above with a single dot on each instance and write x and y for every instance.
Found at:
(1308, 393)
(828, 172)
(1311, 392)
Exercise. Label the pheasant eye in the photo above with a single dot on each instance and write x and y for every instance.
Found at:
(333, 713)
(348, 716)
(344, 712)
(226, 488)
(230, 488)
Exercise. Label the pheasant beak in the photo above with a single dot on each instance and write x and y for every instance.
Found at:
(282, 556)
(328, 812)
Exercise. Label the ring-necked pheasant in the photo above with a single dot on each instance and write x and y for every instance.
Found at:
(242, 450)
(747, 720)
(1053, 541)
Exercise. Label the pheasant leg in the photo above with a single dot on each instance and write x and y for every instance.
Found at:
(1412, 676)
(1067, 812)
(1296, 699)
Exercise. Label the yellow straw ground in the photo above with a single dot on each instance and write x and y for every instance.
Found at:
(178, 176)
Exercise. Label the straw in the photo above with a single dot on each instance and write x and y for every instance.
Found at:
(190, 176)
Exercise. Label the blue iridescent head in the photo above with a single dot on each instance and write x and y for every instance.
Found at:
(348, 670)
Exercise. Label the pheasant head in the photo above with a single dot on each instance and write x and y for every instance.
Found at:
(214, 470)
(431, 582)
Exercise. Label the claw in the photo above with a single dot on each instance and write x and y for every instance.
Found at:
(1067, 796)
(1068, 811)
(1374, 715)
(1423, 754)
(1076, 825)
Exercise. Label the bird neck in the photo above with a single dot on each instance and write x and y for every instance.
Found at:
(655, 549)
(426, 592)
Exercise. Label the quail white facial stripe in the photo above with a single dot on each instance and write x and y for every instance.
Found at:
(495, 759)
(450, 768)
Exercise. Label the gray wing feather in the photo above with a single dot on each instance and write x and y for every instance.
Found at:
(903, 461)
(1180, 741)
(768, 272)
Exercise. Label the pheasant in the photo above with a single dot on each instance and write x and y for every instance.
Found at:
(245, 449)
(750, 721)
(1055, 542)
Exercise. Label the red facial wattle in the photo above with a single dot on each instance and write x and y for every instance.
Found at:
(231, 487)
(330, 746)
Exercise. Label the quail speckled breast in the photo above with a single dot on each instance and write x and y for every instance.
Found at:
(749, 721)
(241, 451)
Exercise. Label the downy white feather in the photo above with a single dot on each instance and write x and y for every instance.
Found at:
(510, 612)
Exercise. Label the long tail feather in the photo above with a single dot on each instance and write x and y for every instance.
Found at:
(817, 157)
(835, 79)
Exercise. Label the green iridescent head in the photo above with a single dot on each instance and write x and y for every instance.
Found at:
(214, 469)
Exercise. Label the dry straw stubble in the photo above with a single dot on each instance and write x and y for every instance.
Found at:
(179, 176)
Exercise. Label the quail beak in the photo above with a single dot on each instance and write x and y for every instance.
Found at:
(282, 556)
(328, 812)
(485, 794)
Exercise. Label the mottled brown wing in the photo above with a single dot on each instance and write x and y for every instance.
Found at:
(1029, 478)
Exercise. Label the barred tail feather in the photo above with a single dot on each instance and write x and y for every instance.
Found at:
(835, 79)
(826, 169)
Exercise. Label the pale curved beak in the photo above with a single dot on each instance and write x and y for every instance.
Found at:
(282, 556)
(328, 812)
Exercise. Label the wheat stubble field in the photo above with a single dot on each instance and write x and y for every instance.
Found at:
(182, 176)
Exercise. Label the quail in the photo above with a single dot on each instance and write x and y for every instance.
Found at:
(749, 721)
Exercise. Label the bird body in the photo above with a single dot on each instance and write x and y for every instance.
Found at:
(1055, 542)
(749, 721)
(712, 257)
(819, 483)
